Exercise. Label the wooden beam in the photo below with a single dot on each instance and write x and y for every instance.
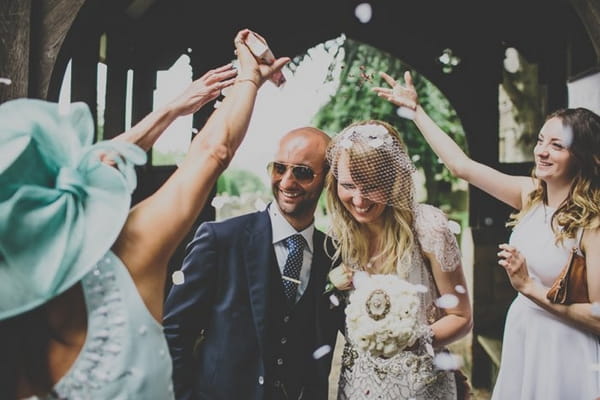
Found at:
(50, 23)
(14, 48)
(589, 13)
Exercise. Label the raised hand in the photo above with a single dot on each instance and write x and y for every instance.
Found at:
(250, 68)
(403, 96)
(204, 89)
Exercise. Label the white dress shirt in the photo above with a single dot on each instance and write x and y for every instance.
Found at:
(282, 229)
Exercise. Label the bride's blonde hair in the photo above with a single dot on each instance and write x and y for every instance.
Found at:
(351, 239)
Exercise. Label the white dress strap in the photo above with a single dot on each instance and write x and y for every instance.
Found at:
(578, 240)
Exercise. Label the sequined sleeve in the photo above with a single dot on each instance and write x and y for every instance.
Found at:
(436, 238)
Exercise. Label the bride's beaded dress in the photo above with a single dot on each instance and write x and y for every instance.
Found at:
(408, 374)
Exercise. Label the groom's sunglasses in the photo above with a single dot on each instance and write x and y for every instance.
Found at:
(301, 173)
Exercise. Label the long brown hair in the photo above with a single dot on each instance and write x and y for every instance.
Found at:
(581, 208)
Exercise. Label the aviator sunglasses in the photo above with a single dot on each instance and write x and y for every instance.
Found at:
(302, 173)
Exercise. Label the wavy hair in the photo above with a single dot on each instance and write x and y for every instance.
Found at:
(581, 208)
(351, 239)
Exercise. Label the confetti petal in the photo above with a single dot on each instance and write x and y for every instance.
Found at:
(333, 299)
(454, 227)
(178, 277)
(363, 12)
(447, 361)
(447, 301)
(460, 289)
(321, 351)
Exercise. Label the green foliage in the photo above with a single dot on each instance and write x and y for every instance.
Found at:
(355, 101)
(166, 158)
(237, 181)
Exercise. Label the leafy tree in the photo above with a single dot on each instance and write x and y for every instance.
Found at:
(356, 101)
(237, 181)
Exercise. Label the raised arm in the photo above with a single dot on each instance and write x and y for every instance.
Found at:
(509, 189)
(157, 225)
(195, 96)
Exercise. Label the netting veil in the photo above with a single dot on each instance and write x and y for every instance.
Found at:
(372, 161)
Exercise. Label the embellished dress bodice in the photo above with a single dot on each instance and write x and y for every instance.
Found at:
(409, 374)
(111, 364)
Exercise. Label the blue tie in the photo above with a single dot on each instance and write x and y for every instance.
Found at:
(293, 264)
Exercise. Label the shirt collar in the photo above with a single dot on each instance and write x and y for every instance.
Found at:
(282, 229)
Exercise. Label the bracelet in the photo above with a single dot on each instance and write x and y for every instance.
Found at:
(247, 80)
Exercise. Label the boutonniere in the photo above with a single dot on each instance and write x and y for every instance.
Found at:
(339, 280)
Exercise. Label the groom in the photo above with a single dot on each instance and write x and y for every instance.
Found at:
(251, 312)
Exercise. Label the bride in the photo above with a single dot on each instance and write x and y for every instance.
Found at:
(397, 258)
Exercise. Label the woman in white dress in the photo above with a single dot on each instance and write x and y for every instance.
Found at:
(406, 258)
(550, 351)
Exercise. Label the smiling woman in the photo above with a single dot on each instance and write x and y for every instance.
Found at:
(566, 183)
(379, 230)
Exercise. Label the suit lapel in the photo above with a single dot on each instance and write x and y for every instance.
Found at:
(259, 256)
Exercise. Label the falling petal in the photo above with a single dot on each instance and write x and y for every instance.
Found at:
(321, 351)
(447, 301)
(447, 361)
(178, 277)
(454, 227)
(333, 299)
(363, 12)
(5, 81)
(405, 112)
(218, 202)
(460, 289)
(260, 205)
(189, 49)
(421, 288)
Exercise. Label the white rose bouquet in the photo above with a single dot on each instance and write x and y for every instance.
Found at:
(382, 314)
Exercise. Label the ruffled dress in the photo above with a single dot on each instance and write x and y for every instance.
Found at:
(408, 374)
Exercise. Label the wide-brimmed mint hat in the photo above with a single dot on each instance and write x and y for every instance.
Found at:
(61, 208)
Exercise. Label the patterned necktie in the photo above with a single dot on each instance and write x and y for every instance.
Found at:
(293, 264)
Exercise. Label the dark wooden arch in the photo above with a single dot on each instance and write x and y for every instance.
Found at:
(37, 38)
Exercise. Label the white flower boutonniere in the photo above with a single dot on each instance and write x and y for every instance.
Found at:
(382, 314)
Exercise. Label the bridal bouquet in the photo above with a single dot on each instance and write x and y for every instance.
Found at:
(382, 315)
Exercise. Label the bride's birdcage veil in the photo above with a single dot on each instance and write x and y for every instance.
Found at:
(370, 159)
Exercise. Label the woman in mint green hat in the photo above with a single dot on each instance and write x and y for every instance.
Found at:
(81, 275)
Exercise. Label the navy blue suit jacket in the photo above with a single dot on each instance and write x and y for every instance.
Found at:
(215, 322)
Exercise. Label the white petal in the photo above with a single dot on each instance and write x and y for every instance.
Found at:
(321, 351)
(447, 301)
(178, 277)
